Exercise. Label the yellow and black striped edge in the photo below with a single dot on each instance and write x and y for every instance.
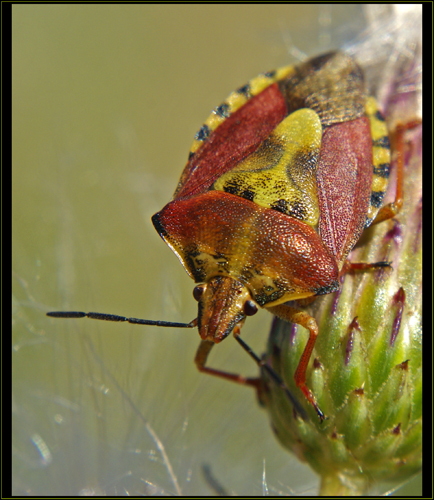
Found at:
(235, 101)
(380, 158)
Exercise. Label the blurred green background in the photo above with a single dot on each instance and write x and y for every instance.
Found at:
(106, 101)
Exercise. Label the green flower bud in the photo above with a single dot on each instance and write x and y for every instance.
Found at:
(365, 371)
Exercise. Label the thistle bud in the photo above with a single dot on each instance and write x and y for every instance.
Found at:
(366, 368)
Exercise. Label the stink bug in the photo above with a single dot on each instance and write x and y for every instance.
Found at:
(280, 183)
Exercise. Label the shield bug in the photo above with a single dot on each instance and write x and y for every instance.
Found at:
(281, 180)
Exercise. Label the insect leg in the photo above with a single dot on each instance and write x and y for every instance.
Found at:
(273, 375)
(202, 353)
(301, 318)
(349, 267)
(203, 350)
(391, 209)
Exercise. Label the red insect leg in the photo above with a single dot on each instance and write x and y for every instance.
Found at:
(301, 318)
(200, 359)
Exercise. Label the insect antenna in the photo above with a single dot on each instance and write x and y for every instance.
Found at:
(114, 317)
(136, 321)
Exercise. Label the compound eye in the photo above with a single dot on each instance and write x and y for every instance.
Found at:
(198, 292)
(250, 308)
